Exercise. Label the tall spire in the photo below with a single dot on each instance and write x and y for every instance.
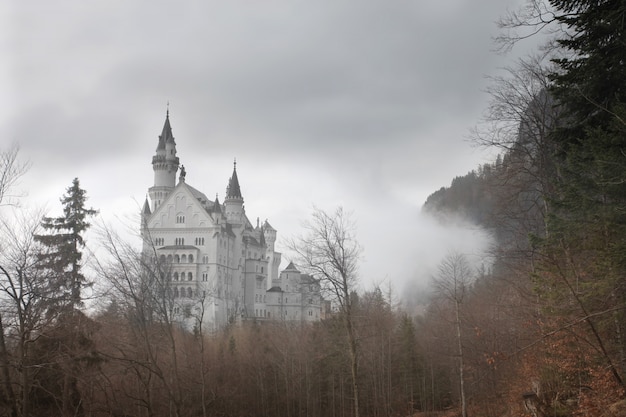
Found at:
(216, 205)
(164, 164)
(146, 207)
(166, 135)
(233, 190)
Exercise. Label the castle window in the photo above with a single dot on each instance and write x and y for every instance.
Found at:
(190, 259)
(183, 259)
(189, 276)
(179, 241)
(199, 241)
(159, 241)
(205, 276)
(176, 259)
(205, 259)
(180, 219)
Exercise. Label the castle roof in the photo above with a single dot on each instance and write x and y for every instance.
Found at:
(268, 226)
(166, 135)
(233, 190)
(199, 195)
(291, 267)
(146, 207)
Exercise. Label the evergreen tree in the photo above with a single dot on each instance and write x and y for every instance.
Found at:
(584, 266)
(62, 254)
(591, 83)
(67, 348)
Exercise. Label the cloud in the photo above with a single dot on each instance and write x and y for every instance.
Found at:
(363, 104)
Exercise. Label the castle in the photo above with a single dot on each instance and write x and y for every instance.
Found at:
(216, 260)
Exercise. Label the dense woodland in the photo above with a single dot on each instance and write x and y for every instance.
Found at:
(539, 332)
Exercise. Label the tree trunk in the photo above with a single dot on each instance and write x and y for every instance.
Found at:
(460, 346)
(354, 358)
(6, 378)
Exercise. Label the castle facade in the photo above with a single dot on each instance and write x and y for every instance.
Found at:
(215, 260)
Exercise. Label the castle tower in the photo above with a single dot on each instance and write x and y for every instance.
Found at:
(165, 165)
(273, 257)
(270, 235)
(233, 203)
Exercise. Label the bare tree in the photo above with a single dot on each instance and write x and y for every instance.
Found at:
(11, 170)
(26, 299)
(533, 18)
(453, 281)
(329, 251)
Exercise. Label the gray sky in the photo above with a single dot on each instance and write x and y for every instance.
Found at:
(365, 104)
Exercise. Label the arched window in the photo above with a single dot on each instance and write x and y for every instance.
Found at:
(175, 292)
(162, 259)
(189, 276)
(169, 258)
(175, 276)
(190, 259)
(189, 292)
(177, 259)
(183, 259)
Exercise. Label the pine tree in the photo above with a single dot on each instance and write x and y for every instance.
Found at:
(66, 346)
(591, 83)
(62, 254)
(586, 249)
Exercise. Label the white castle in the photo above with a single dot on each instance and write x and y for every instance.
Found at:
(216, 260)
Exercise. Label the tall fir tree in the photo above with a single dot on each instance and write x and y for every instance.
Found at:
(586, 250)
(63, 245)
(66, 346)
(591, 83)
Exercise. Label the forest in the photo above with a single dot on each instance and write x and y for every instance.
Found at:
(538, 331)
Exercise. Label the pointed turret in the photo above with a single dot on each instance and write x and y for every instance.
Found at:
(145, 214)
(233, 203)
(166, 135)
(291, 268)
(216, 206)
(146, 208)
(164, 165)
(270, 234)
(233, 190)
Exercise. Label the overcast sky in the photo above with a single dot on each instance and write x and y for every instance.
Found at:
(365, 104)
